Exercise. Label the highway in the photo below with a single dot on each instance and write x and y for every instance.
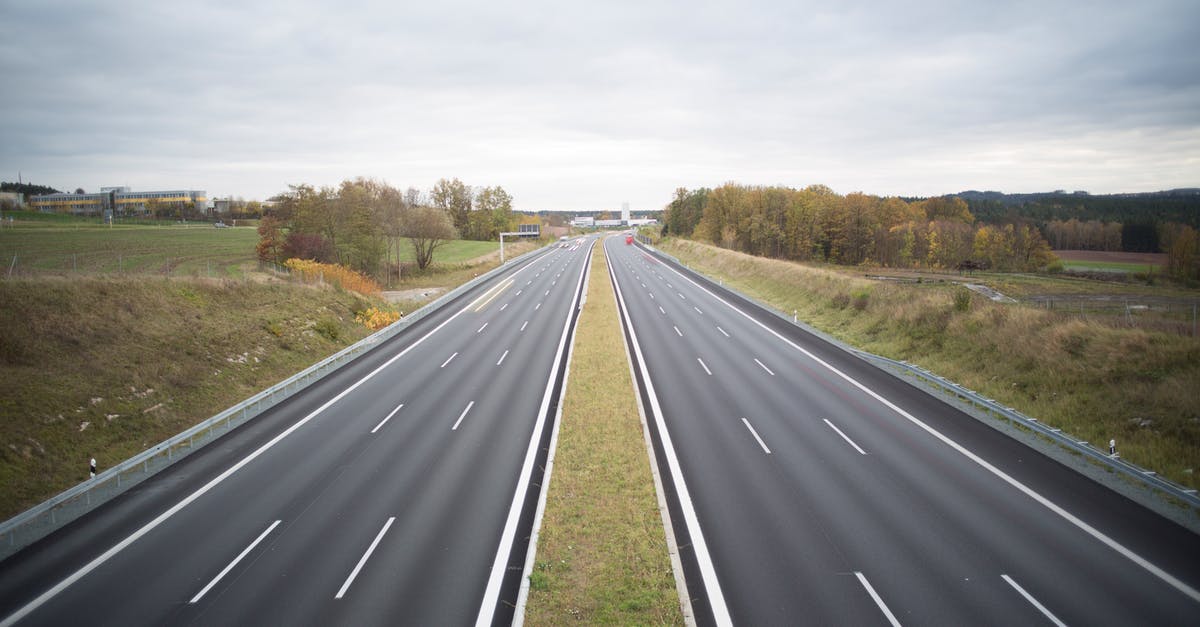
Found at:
(806, 486)
(394, 491)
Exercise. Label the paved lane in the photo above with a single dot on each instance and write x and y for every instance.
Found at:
(392, 492)
(824, 491)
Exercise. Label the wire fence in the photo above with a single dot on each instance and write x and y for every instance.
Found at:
(1169, 315)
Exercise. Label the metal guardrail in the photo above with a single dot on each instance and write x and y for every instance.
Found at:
(993, 408)
(46, 517)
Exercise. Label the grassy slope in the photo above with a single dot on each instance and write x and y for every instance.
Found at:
(1092, 379)
(602, 555)
(108, 366)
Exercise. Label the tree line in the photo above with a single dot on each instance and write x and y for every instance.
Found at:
(815, 223)
(365, 223)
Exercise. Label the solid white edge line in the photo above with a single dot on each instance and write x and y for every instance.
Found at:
(702, 365)
(844, 436)
(1034, 602)
(462, 415)
(150, 526)
(540, 510)
(708, 572)
(685, 601)
(878, 600)
(755, 434)
(764, 366)
(502, 358)
(491, 595)
(1163, 575)
(449, 360)
(387, 418)
(363, 560)
(229, 567)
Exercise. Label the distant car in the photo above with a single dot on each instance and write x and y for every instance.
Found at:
(629, 239)
(220, 225)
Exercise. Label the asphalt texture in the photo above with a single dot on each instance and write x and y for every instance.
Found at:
(394, 491)
(810, 487)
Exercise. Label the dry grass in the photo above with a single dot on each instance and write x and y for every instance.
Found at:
(602, 554)
(1090, 378)
(105, 367)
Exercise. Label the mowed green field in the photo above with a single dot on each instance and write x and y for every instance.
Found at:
(72, 248)
(1110, 266)
(67, 248)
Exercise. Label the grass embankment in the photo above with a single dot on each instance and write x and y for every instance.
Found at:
(105, 367)
(1090, 378)
(602, 554)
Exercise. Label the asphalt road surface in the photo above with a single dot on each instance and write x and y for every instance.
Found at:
(808, 487)
(394, 491)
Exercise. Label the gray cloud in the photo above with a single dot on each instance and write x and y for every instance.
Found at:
(578, 107)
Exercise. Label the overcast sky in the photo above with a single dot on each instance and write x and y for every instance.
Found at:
(585, 105)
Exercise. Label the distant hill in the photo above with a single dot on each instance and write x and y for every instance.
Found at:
(1175, 205)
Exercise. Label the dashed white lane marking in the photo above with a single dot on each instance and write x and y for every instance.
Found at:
(682, 296)
(651, 295)
(502, 358)
(698, 310)
(504, 306)
(524, 325)
(365, 557)
(1079, 523)
(664, 311)
(225, 571)
(878, 601)
(482, 328)
(387, 418)
(1034, 602)
(722, 331)
(677, 330)
(704, 366)
(537, 306)
(755, 434)
(764, 366)
(462, 415)
(844, 437)
(448, 360)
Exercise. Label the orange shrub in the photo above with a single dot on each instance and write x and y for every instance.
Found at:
(312, 271)
(374, 318)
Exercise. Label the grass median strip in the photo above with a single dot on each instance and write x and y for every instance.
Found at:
(602, 553)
